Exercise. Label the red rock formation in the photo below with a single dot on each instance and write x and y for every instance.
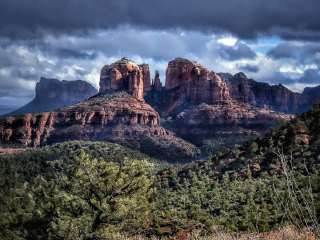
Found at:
(204, 121)
(11, 150)
(146, 77)
(156, 84)
(276, 97)
(37, 129)
(232, 113)
(196, 83)
(124, 75)
(118, 118)
(240, 88)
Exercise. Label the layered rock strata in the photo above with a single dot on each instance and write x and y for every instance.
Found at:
(231, 123)
(196, 83)
(127, 76)
(275, 97)
(119, 118)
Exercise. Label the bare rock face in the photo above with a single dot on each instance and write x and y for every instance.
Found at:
(118, 117)
(240, 88)
(276, 97)
(200, 105)
(146, 77)
(187, 82)
(196, 83)
(51, 94)
(125, 75)
(156, 84)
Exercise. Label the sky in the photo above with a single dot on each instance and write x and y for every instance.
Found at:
(272, 41)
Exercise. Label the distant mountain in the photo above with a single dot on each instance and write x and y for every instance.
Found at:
(275, 97)
(5, 109)
(52, 94)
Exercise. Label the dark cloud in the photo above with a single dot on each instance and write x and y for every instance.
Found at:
(245, 18)
(70, 53)
(310, 76)
(237, 52)
(24, 73)
(283, 50)
(278, 78)
(249, 68)
(302, 52)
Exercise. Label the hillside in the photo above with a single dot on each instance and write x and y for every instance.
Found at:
(106, 189)
(261, 185)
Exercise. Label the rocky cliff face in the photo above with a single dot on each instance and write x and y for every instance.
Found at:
(125, 75)
(240, 87)
(202, 106)
(276, 97)
(230, 123)
(51, 94)
(117, 114)
(156, 83)
(146, 77)
(187, 82)
(197, 104)
(118, 117)
(196, 83)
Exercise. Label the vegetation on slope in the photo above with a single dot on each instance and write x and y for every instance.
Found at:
(82, 190)
(77, 195)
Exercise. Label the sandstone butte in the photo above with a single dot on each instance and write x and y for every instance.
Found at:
(196, 83)
(117, 114)
(276, 97)
(125, 74)
(200, 103)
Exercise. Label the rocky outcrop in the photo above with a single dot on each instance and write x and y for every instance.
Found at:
(11, 150)
(187, 83)
(232, 121)
(156, 83)
(240, 88)
(118, 117)
(196, 83)
(202, 106)
(146, 77)
(51, 94)
(125, 75)
(276, 97)
(196, 103)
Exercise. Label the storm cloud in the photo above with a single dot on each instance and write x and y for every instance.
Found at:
(303, 52)
(272, 41)
(249, 68)
(246, 18)
(236, 52)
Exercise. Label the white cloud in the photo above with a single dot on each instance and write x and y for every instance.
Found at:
(228, 41)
